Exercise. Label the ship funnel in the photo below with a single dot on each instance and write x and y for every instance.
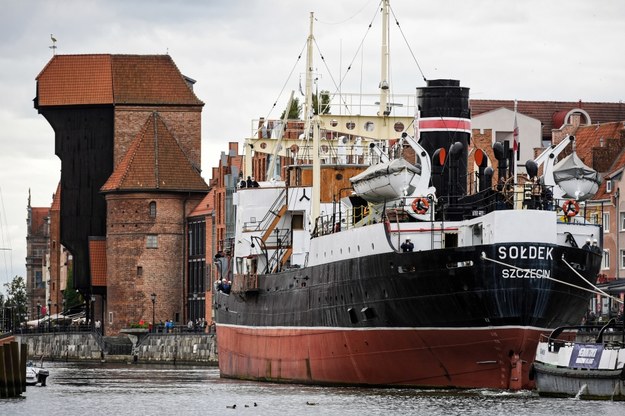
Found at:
(444, 120)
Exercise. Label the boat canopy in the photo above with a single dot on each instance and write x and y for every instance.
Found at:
(575, 178)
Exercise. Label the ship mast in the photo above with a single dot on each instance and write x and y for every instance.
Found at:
(314, 122)
(384, 85)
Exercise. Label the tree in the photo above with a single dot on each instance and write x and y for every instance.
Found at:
(16, 299)
(324, 106)
(71, 297)
(294, 110)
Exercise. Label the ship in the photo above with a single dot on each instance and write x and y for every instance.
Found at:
(371, 256)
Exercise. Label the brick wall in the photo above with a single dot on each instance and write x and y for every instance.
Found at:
(134, 271)
(184, 123)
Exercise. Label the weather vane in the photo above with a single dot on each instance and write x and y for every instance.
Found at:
(53, 47)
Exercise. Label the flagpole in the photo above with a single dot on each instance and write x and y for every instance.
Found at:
(515, 148)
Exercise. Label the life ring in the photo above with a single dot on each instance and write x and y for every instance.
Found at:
(570, 207)
(420, 205)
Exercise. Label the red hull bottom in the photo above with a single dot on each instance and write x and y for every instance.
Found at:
(496, 358)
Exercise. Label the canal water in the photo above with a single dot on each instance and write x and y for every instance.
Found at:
(127, 389)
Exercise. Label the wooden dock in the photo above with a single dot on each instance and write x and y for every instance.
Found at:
(13, 358)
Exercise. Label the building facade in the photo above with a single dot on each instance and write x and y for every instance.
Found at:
(112, 181)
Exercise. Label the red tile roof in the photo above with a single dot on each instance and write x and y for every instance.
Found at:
(155, 162)
(550, 112)
(97, 260)
(594, 136)
(113, 79)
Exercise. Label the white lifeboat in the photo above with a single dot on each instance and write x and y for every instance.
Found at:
(386, 181)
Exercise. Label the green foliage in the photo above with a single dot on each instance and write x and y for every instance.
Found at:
(294, 110)
(324, 106)
(72, 298)
(16, 296)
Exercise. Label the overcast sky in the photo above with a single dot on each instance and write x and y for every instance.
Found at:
(242, 52)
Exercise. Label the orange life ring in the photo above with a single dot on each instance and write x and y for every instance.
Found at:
(570, 207)
(420, 205)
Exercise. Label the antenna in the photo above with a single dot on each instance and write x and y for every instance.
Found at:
(53, 47)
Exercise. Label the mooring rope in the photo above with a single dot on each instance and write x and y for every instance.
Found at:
(591, 285)
(484, 257)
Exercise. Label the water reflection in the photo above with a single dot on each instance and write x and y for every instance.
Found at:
(125, 389)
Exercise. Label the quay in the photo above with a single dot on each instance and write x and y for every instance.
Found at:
(132, 345)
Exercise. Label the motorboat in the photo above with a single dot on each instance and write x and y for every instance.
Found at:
(592, 366)
(36, 375)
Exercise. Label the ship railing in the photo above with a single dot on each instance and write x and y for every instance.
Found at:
(358, 216)
(530, 195)
(403, 105)
(280, 245)
(335, 148)
(608, 333)
(273, 211)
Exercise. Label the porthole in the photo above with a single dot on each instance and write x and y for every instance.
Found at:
(399, 126)
(369, 126)
(350, 125)
(334, 123)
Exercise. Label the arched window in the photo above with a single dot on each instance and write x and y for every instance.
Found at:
(153, 209)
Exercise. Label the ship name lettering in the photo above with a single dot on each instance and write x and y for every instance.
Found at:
(525, 273)
(523, 252)
(587, 352)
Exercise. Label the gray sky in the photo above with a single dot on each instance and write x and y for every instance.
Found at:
(241, 54)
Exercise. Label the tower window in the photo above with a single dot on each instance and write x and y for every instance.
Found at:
(152, 241)
(152, 209)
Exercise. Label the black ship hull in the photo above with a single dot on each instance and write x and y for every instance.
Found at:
(476, 311)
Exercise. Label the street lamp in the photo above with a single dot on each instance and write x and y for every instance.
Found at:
(153, 297)
(49, 320)
(38, 315)
(92, 311)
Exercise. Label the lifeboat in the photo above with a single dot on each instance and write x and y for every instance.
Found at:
(386, 181)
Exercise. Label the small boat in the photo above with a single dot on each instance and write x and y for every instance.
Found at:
(36, 375)
(591, 367)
